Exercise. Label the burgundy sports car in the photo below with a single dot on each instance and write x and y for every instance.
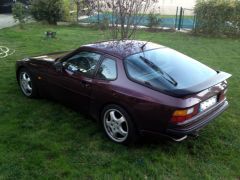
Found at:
(132, 87)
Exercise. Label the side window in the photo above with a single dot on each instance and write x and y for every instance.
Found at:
(107, 70)
(83, 62)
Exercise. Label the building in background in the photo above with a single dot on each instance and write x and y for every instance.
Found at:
(6, 5)
(164, 7)
(168, 7)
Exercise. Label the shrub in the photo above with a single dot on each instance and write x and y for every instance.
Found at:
(218, 17)
(20, 13)
(154, 20)
(104, 23)
(47, 10)
(66, 10)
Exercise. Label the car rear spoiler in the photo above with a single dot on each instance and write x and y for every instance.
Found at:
(218, 78)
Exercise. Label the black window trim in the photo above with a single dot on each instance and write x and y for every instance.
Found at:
(106, 56)
(62, 60)
(137, 81)
(180, 93)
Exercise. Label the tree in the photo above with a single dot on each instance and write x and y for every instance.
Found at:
(47, 10)
(126, 16)
(20, 13)
(84, 7)
(153, 21)
(78, 4)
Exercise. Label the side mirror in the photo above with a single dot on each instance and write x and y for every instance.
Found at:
(58, 65)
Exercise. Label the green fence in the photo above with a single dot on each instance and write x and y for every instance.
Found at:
(185, 19)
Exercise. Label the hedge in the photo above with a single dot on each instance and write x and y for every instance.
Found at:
(218, 17)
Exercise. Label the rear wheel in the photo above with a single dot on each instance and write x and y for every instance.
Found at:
(118, 125)
(27, 83)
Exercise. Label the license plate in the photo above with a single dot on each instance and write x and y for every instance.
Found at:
(208, 103)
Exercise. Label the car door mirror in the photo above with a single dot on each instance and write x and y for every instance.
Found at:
(58, 65)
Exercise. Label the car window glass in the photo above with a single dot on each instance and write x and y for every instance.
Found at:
(158, 67)
(107, 70)
(83, 62)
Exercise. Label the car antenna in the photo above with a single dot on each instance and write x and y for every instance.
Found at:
(142, 47)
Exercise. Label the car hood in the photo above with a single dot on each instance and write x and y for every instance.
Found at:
(51, 56)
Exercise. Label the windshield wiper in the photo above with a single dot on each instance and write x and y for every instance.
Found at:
(165, 75)
(147, 83)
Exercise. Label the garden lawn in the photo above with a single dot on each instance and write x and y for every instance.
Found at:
(43, 139)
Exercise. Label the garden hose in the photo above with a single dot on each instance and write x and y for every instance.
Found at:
(5, 51)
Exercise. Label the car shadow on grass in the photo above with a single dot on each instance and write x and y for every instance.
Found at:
(82, 126)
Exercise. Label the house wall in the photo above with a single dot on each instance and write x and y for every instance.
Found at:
(164, 7)
(168, 7)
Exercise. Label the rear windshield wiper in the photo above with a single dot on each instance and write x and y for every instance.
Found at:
(165, 75)
(147, 83)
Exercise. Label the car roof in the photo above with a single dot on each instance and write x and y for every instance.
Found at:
(123, 48)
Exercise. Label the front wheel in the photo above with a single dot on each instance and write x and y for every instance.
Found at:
(118, 125)
(27, 83)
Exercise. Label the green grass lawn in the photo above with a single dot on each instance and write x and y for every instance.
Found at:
(41, 138)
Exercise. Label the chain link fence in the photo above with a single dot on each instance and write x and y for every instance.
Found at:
(169, 18)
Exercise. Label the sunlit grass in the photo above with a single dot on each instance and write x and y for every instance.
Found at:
(41, 138)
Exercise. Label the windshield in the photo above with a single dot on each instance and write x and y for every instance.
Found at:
(165, 68)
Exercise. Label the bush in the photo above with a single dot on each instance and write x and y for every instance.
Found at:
(47, 10)
(154, 21)
(66, 11)
(218, 17)
(104, 23)
(20, 13)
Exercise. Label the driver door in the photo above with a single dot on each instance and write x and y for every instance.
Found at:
(73, 84)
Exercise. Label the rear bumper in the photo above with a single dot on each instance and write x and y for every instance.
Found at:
(198, 122)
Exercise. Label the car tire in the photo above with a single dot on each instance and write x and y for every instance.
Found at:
(118, 126)
(27, 83)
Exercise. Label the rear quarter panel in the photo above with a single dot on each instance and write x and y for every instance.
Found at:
(150, 110)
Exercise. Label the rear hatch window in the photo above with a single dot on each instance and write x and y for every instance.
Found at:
(165, 69)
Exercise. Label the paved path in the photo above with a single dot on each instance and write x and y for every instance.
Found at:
(6, 20)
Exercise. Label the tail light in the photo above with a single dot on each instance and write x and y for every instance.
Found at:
(184, 114)
(222, 95)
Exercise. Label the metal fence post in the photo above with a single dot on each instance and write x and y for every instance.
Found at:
(194, 22)
(176, 17)
(183, 16)
(180, 18)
